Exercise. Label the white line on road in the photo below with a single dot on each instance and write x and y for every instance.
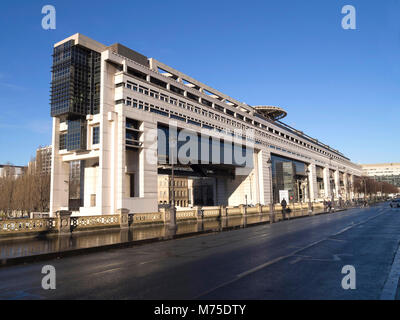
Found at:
(390, 288)
(105, 271)
(273, 261)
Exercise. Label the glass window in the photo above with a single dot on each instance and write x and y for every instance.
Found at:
(96, 135)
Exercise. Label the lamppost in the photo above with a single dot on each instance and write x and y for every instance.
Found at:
(309, 193)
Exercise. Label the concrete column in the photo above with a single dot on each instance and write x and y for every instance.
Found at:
(107, 157)
(337, 183)
(346, 189)
(264, 177)
(255, 180)
(351, 187)
(59, 182)
(327, 185)
(118, 170)
(312, 178)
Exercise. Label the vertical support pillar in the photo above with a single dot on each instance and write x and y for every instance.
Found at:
(123, 218)
(63, 222)
(346, 189)
(264, 177)
(337, 184)
(59, 187)
(312, 178)
(352, 187)
(327, 185)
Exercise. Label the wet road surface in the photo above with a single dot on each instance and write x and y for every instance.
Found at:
(296, 259)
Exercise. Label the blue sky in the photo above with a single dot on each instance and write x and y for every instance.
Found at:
(339, 86)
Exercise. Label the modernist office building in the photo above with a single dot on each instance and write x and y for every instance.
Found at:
(385, 172)
(106, 104)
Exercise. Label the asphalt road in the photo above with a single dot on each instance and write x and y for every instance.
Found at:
(296, 259)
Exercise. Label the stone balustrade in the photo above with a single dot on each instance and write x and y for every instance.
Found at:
(94, 222)
(148, 218)
(27, 226)
(63, 223)
(235, 211)
(211, 212)
(187, 215)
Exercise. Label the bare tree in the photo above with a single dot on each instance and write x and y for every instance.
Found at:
(25, 193)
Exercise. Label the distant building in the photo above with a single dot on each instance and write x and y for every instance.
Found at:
(8, 170)
(165, 190)
(385, 172)
(43, 159)
(42, 162)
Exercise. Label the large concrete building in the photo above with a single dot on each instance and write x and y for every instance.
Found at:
(118, 121)
(384, 172)
(42, 161)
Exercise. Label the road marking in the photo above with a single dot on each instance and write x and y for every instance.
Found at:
(344, 229)
(390, 287)
(145, 262)
(273, 261)
(261, 236)
(299, 258)
(105, 271)
(338, 240)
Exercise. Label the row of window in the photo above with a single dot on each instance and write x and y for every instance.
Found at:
(173, 115)
(158, 95)
(177, 183)
(75, 138)
(178, 193)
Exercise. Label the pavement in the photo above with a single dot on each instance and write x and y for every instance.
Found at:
(295, 259)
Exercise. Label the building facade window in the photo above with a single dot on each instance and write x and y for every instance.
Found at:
(96, 135)
(63, 141)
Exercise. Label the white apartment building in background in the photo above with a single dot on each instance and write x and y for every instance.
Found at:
(107, 101)
(8, 170)
(42, 161)
(384, 172)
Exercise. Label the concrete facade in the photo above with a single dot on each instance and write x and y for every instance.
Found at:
(386, 172)
(137, 95)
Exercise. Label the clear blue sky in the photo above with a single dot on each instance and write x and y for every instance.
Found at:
(339, 86)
